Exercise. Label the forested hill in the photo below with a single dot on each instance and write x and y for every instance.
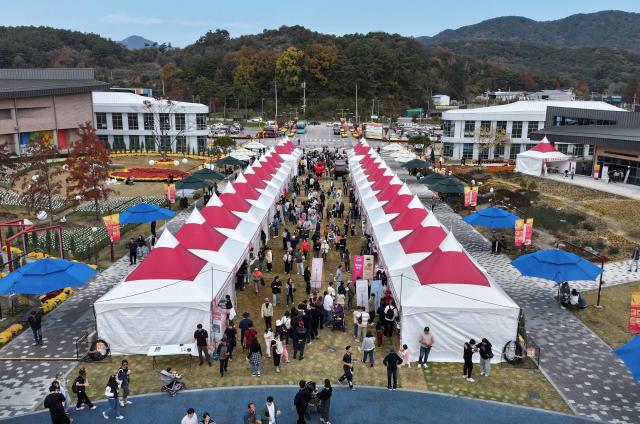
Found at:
(397, 72)
(612, 29)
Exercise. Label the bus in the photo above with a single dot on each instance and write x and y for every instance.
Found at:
(301, 127)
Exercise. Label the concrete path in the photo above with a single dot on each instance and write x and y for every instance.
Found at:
(25, 383)
(621, 189)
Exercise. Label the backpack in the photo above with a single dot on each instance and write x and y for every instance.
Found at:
(74, 386)
(388, 314)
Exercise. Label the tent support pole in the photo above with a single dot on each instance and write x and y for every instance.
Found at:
(598, 305)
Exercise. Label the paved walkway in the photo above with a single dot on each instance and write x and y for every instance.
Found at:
(363, 405)
(25, 383)
(593, 381)
(621, 189)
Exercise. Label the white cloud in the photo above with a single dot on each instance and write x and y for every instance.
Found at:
(123, 18)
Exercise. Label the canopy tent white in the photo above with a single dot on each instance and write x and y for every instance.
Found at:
(435, 282)
(535, 161)
(181, 281)
(255, 145)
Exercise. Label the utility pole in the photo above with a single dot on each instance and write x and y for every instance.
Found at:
(304, 97)
(224, 111)
(275, 81)
(356, 104)
(262, 114)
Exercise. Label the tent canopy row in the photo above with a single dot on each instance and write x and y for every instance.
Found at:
(181, 281)
(434, 280)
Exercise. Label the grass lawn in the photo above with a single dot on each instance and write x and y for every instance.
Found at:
(323, 360)
(610, 321)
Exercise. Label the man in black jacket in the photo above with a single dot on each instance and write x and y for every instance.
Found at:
(301, 402)
(469, 350)
(245, 323)
(35, 322)
(391, 361)
(299, 334)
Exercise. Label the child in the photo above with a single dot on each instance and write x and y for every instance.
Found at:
(268, 336)
(404, 355)
(379, 333)
(285, 352)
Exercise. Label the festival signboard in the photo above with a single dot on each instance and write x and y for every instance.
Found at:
(634, 315)
(519, 231)
(528, 232)
(358, 267)
(474, 196)
(316, 273)
(112, 224)
(467, 196)
(367, 272)
(523, 232)
(596, 171)
(362, 294)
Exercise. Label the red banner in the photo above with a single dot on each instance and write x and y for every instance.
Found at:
(519, 232)
(467, 196)
(634, 315)
(112, 224)
(528, 232)
(171, 193)
(358, 267)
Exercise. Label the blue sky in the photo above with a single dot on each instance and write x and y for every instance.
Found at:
(183, 22)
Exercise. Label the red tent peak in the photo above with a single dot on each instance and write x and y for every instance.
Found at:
(544, 146)
(408, 219)
(220, 216)
(449, 267)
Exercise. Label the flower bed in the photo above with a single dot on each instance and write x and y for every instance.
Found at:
(117, 204)
(12, 198)
(149, 174)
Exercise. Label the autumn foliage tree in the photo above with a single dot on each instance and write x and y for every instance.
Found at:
(89, 168)
(41, 181)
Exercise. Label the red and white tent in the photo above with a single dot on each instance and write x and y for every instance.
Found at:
(433, 279)
(536, 160)
(180, 283)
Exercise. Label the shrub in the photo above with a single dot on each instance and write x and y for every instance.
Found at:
(614, 250)
(600, 243)
(533, 186)
(588, 226)
(523, 184)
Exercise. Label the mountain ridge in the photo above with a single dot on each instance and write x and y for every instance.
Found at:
(134, 42)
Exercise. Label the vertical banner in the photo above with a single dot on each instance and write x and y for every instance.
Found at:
(376, 288)
(467, 196)
(528, 232)
(368, 265)
(634, 315)
(596, 171)
(362, 294)
(112, 224)
(171, 192)
(519, 232)
(217, 324)
(316, 272)
(474, 196)
(358, 267)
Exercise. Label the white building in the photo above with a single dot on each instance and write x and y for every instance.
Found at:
(129, 121)
(441, 100)
(462, 128)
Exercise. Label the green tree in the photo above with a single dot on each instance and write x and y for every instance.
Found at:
(488, 139)
(288, 67)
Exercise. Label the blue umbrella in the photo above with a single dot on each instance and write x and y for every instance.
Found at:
(143, 213)
(492, 218)
(46, 275)
(630, 355)
(556, 265)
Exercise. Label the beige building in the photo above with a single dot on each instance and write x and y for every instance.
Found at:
(47, 102)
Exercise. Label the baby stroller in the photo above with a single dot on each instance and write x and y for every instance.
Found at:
(314, 402)
(337, 318)
(171, 382)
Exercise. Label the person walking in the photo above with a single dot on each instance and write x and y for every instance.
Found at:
(249, 335)
(299, 339)
(122, 378)
(268, 337)
(307, 279)
(391, 361)
(363, 322)
(484, 348)
(299, 259)
(133, 251)
(250, 416)
(287, 258)
(111, 392)
(54, 402)
(79, 387)
(255, 358)
(390, 315)
(368, 348)
(206, 419)
(635, 257)
(346, 259)
(372, 308)
(324, 396)
(230, 335)
(244, 325)
(190, 418)
(426, 343)
(35, 322)
(201, 338)
(223, 355)
(276, 289)
(271, 411)
(347, 368)
(276, 348)
(266, 311)
(469, 350)
(256, 279)
(268, 259)
(289, 288)
(327, 306)
(301, 401)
